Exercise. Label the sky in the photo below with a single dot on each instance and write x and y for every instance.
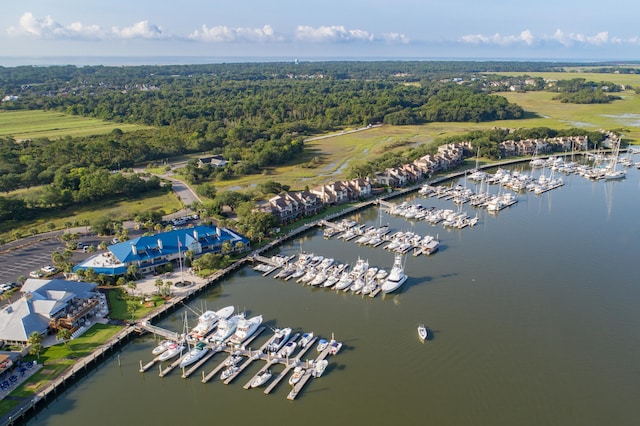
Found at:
(583, 30)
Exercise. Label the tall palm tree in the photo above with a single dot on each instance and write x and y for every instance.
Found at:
(64, 334)
(35, 341)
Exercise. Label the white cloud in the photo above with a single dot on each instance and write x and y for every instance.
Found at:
(48, 28)
(395, 38)
(331, 34)
(525, 37)
(142, 29)
(569, 39)
(223, 33)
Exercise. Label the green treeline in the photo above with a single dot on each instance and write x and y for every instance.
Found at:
(77, 185)
(254, 115)
(580, 91)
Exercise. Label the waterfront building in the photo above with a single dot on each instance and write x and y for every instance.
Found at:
(149, 252)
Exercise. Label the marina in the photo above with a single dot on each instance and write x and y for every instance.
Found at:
(509, 341)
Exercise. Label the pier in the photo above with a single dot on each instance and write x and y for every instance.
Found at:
(297, 388)
(159, 331)
(289, 365)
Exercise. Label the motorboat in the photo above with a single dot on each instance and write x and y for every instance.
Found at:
(318, 367)
(261, 379)
(226, 327)
(233, 359)
(196, 353)
(208, 320)
(334, 347)
(305, 339)
(319, 278)
(172, 351)
(163, 346)
(228, 372)
(344, 282)
(298, 372)
(245, 329)
(396, 276)
(288, 349)
(422, 332)
(280, 337)
(322, 345)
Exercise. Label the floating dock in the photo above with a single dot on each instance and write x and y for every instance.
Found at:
(297, 388)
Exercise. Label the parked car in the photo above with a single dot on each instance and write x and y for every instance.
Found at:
(115, 240)
(48, 269)
(36, 274)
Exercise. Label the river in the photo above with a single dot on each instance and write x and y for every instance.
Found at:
(533, 313)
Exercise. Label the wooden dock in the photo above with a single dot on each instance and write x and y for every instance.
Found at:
(167, 334)
(297, 388)
(212, 351)
(289, 364)
(170, 368)
(148, 365)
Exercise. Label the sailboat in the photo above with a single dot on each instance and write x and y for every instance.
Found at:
(611, 173)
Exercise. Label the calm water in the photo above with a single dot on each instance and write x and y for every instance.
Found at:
(534, 316)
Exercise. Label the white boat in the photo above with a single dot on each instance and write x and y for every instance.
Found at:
(322, 345)
(207, 321)
(245, 329)
(320, 277)
(228, 372)
(334, 347)
(345, 281)
(196, 353)
(261, 379)
(280, 337)
(298, 372)
(288, 349)
(305, 339)
(422, 332)
(163, 346)
(233, 359)
(171, 352)
(396, 276)
(226, 327)
(319, 367)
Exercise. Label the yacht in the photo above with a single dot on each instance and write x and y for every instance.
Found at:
(280, 337)
(245, 329)
(208, 320)
(196, 353)
(261, 379)
(163, 346)
(172, 351)
(226, 327)
(345, 281)
(396, 276)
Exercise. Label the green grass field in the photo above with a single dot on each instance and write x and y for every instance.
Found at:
(53, 125)
(57, 359)
(117, 209)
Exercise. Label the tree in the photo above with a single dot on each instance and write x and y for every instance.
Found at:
(35, 341)
(132, 271)
(226, 247)
(132, 286)
(64, 334)
(159, 283)
(132, 307)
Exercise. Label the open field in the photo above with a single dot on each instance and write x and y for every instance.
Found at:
(54, 125)
(117, 209)
(626, 79)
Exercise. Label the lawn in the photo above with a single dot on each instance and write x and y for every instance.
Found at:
(56, 359)
(118, 306)
(54, 125)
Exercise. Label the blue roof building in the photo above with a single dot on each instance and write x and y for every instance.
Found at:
(149, 252)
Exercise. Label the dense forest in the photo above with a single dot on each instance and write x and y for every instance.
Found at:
(255, 115)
